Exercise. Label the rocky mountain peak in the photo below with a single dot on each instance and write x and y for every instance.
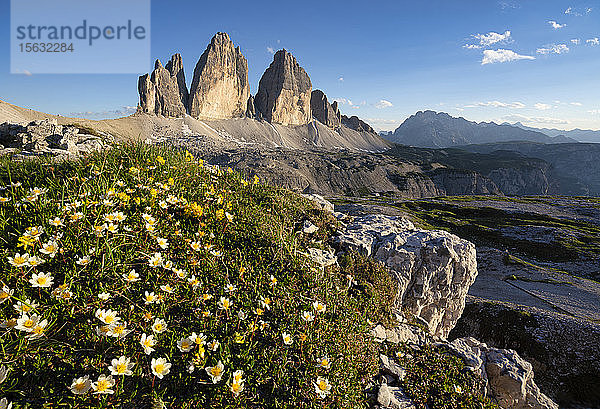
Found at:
(357, 124)
(220, 88)
(175, 67)
(284, 92)
(160, 93)
(324, 112)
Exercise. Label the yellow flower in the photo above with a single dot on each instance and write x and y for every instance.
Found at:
(160, 160)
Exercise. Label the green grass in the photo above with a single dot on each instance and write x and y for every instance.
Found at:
(221, 230)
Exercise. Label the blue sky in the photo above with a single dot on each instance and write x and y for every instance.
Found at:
(531, 61)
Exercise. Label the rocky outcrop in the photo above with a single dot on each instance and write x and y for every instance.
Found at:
(505, 377)
(357, 124)
(220, 88)
(284, 92)
(323, 111)
(175, 68)
(160, 93)
(563, 350)
(46, 137)
(433, 269)
(508, 377)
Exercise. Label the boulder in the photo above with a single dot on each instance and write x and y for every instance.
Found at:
(509, 378)
(433, 269)
(220, 88)
(357, 124)
(160, 93)
(284, 92)
(323, 111)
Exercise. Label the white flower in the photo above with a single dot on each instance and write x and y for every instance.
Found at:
(224, 303)
(3, 373)
(287, 338)
(148, 342)
(185, 344)
(4, 404)
(199, 339)
(19, 260)
(236, 388)
(121, 366)
(242, 315)
(167, 288)
(81, 386)
(6, 293)
(149, 298)
(308, 316)
(160, 367)
(56, 222)
(230, 288)
(35, 261)
(159, 326)
(41, 280)
(319, 307)
(107, 316)
(195, 245)
(118, 329)
(156, 260)
(104, 384)
(38, 330)
(180, 273)
(273, 280)
(215, 372)
(162, 242)
(213, 345)
(84, 261)
(324, 362)
(50, 248)
(457, 389)
(131, 277)
(104, 296)
(322, 387)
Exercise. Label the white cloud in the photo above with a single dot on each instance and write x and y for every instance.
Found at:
(593, 41)
(577, 104)
(535, 120)
(594, 112)
(509, 5)
(497, 104)
(553, 49)
(382, 104)
(576, 41)
(571, 11)
(486, 40)
(341, 79)
(501, 55)
(382, 124)
(270, 50)
(556, 25)
(343, 101)
(542, 107)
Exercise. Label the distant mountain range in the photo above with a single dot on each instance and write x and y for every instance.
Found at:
(581, 135)
(429, 129)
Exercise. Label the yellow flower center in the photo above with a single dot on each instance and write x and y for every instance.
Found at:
(121, 368)
(236, 387)
(80, 386)
(102, 385)
(324, 362)
(19, 260)
(322, 385)
(28, 323)
(3, 295)
(42, 280)
(159, 368)
(158, 327)
(38, 330)
(215, 371)
(108, 319)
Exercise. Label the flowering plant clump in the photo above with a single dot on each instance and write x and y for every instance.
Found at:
(142, 275)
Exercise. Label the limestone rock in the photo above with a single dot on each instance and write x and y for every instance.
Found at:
(509, 377)
(324, 258)
(250, 108)
(323, 111)
(309, 228)
(220, 88)
(160, 93)
(323, 204)
(284, 92)
(175, 68)
(394, 398)
(433, 269)
(357, 124)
